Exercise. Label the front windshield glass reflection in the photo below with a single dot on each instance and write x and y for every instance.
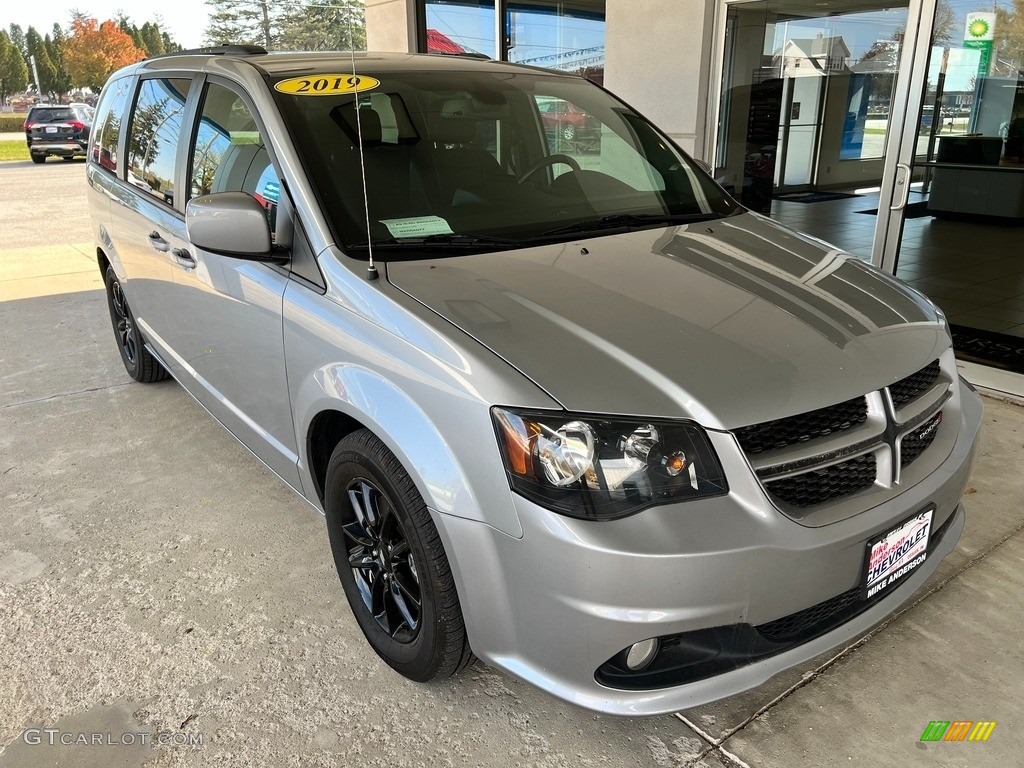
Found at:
(482, 160)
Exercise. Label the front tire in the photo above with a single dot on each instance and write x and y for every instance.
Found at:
(391, 562)
(138, 362)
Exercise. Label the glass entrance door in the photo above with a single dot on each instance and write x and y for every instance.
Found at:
(812, 105)
(960, 237)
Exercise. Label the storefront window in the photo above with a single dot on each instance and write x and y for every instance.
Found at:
(974, 106)
(563, 36)
(459, 26)
(567, 36)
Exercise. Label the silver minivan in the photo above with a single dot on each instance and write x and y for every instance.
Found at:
(565, 404)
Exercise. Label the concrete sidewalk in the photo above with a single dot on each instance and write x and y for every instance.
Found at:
(154, 577)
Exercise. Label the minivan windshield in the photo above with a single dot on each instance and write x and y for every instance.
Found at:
(476, 160)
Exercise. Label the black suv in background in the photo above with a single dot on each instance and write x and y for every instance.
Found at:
(57, 129)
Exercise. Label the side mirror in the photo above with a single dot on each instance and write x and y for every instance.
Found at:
(229, 224)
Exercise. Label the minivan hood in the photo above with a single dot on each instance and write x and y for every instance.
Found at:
(729, 322)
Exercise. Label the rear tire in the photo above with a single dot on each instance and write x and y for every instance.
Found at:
(391, 562)
(138, 362)
(37, 159)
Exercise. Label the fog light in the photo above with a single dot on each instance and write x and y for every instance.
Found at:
(641, 654)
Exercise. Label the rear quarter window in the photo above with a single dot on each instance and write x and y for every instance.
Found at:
(107, 126)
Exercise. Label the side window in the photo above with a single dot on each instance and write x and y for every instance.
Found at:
(153, 135)
(106, 129)
(230, 154)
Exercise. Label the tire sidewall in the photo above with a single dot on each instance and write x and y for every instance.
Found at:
(131, 367)
(416, 658)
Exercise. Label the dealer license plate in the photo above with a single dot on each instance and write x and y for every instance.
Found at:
(893, 555)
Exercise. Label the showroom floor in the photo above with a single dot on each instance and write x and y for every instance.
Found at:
(974, 271)
(154, 577)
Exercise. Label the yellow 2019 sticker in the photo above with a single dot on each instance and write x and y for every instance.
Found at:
(326, 85)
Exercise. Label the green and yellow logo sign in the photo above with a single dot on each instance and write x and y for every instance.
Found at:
(979, 34)
(958, 730)
(978, 29)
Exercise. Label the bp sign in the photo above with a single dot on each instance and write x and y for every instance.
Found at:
(979, 34)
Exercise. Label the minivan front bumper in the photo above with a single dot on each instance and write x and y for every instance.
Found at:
(555, 605)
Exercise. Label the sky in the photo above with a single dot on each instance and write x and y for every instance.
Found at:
(185, 20)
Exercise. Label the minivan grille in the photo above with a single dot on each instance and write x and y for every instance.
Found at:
(821, 485)
(780, 433)
(909, 389)
(799, 477)
(917, 442)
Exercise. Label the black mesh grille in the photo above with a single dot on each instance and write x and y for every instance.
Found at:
(806, 621)
(778, 433)
(823, 617)
(916, 384)
(821, 485)
(917, 442)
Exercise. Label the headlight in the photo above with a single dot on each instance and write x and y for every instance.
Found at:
(602, 468)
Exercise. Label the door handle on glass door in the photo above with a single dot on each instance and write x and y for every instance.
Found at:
(903, 174)
(158, 242)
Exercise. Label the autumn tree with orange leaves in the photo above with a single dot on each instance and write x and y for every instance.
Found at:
(93, 50)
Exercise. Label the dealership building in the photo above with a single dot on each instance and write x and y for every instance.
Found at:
(891, 129)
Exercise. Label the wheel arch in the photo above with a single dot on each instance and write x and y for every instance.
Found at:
(338, 399)
(103, 261)
(327, 429)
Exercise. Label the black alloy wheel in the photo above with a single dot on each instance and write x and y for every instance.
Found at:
(138, 362)
(124, 327)
(383, 564)
(391, 562)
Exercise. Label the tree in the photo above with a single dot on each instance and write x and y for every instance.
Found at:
(18, 39)
(151, 39)
(54, 48)
(244, 21)
(947, 24)
(13, 72)
(1009, 33)
(169, 45)
(36, 48)
(318, 26)
(93, 51)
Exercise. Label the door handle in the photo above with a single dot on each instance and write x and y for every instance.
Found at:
(158, 242)
(184, 258)
(902, 186)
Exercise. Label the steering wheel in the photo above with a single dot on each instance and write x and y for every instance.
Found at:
(544, 162)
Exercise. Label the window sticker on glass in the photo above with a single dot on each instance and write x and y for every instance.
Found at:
(326, 85)
(417, 226)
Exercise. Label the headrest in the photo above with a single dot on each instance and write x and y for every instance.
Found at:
(452, 130)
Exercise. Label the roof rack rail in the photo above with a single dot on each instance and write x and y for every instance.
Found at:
(218, 50)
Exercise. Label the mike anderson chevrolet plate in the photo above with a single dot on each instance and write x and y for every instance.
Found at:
(897, 553)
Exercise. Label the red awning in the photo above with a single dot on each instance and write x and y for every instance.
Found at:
(438, 43)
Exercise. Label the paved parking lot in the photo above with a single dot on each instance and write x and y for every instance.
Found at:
(154, 577)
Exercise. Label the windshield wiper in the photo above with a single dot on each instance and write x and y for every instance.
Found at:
(440, 241)
(629, 221)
